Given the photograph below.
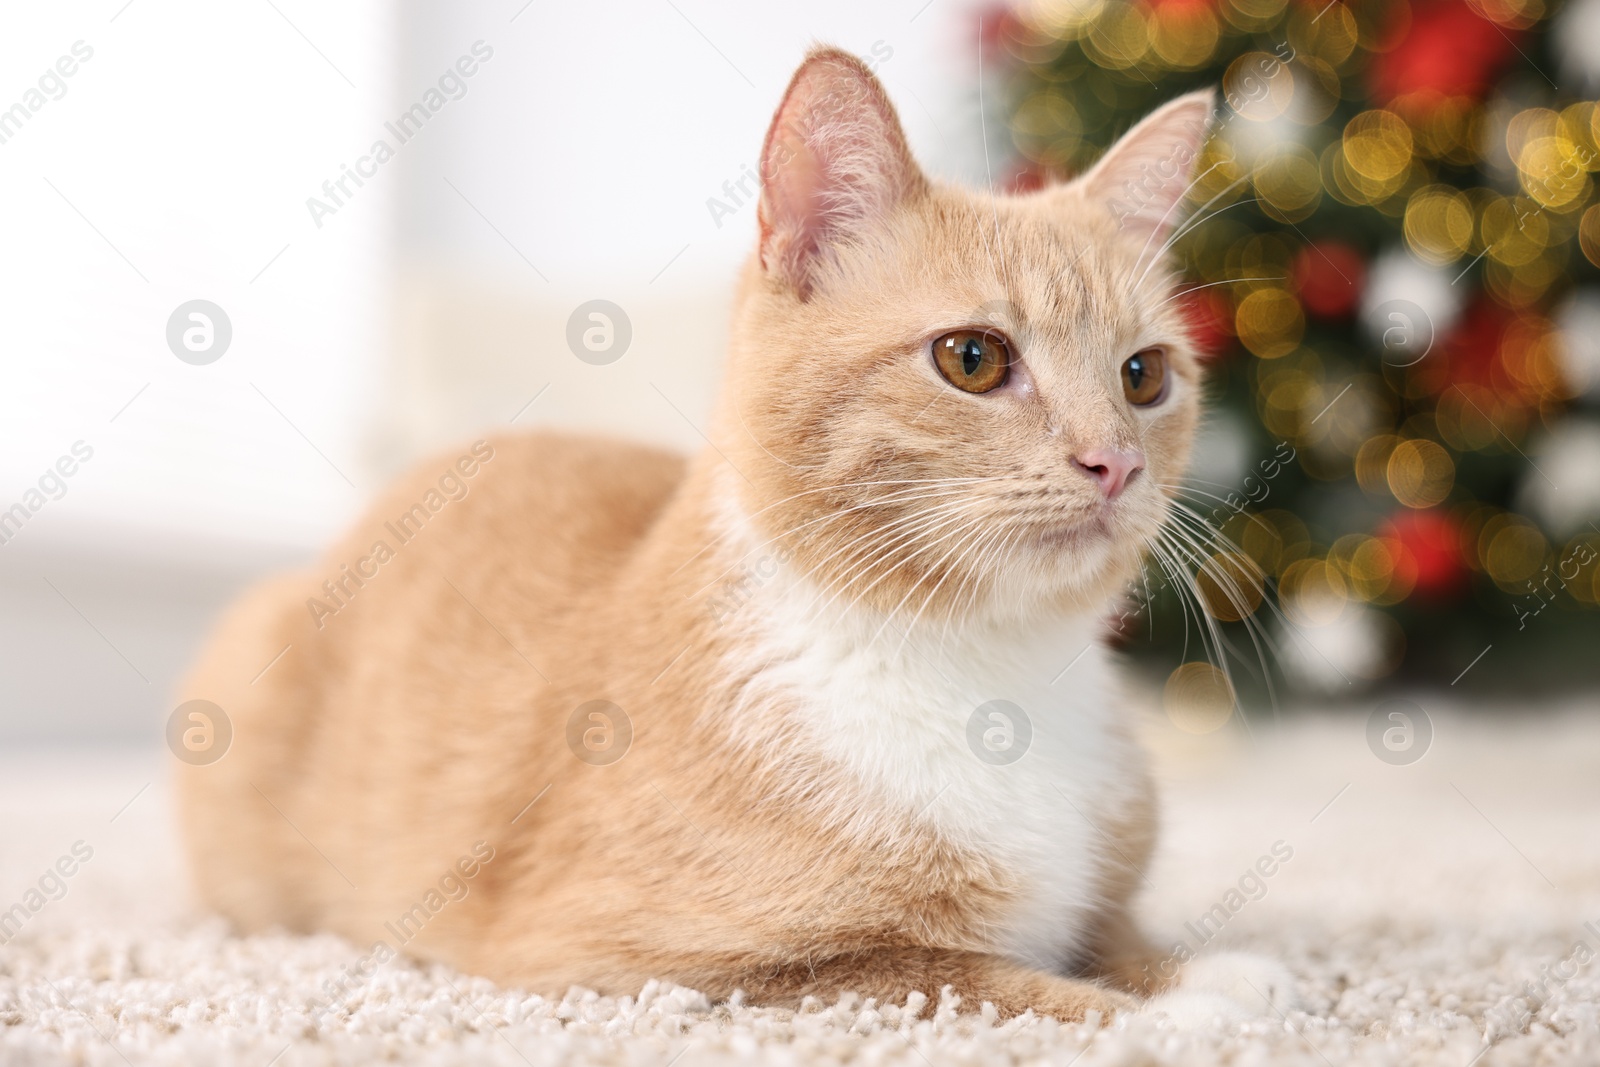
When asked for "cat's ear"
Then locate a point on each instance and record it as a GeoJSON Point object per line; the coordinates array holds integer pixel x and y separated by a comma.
{"type": "Point", "coordinates": [1142, 179]}
{"type": "Point", "coordinates": [835, 163]}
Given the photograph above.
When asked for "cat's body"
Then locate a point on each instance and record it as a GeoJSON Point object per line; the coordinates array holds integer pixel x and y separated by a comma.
{"type": "Point", "coordinates": [705, 853]}
{"type": "Point", "coordinates": [805, 628]}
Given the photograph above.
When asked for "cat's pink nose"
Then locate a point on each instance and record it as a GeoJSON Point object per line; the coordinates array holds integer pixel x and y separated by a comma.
{"type": "Point", "coordinates": [1111, 468]}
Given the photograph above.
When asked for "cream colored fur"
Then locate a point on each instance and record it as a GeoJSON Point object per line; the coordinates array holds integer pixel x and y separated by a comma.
{"type": "Point", "coordinates": [798, 625]}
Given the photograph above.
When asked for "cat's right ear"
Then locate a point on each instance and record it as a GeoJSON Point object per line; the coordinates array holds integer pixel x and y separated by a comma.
{"type": "Point", "coordinates": [835, 163]}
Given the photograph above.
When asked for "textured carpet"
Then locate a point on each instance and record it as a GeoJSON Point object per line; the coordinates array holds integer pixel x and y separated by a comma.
{"type": "Point", "coordinates": [1421, 905]}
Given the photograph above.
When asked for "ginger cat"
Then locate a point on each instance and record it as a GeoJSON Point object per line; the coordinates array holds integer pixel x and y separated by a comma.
{"type": "Point", "coordinates": [819, 709]}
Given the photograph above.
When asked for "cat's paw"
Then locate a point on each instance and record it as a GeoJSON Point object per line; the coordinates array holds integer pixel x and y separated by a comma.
{"type": "Point", "coordinates": [1260, 985]}
{"type": "Point", "coordinates": [1195, 1010]}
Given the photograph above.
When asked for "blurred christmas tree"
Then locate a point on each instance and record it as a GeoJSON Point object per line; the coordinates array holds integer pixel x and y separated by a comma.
{"type": "Point", "coordinates": [1397, 278]}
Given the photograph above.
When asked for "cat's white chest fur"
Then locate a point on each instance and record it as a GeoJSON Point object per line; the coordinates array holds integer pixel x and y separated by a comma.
{"type": "Point", "coordinates": [915, 719]}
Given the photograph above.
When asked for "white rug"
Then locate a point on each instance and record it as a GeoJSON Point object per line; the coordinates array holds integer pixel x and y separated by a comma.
{"type": "Point", "coordinates": [1419, 901]}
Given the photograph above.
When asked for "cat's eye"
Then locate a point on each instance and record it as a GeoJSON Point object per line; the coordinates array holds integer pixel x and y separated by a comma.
{"type": "Point", "coordinates": [1144, 377]}
{"type": "Point", "coordinates": [973, 360]}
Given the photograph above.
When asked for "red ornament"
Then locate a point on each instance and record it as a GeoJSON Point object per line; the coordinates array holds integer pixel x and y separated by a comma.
{"type": "Point", "coordinates": [1329, 277]}
{"type": "Point", "coordinates": [998, 25]}
{"type": "Point", "coordinates": [1210, 318]}
{"type": "Point", "coordinates": [1448, 49]}
{"type": "Point", "coordinates": [1474, 353]}
{"type": "Point", "coordinates": [1427, 549]}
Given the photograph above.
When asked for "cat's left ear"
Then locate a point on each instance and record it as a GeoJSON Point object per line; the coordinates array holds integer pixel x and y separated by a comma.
{"type": "Point", "coordinates": [1143, 178]}
{"type": "Point", "coordinates": [834, 165]}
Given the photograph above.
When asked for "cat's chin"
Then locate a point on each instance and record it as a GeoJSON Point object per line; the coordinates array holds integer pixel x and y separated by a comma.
{"type": "Point", "coordinates": [1086, 564]}
{"type": "Point", "coordinates": [1088, 535]}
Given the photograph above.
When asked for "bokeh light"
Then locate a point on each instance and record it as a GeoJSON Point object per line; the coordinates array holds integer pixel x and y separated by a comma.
{"type": "Point", "coordinates": [1198, 698]}
{"type": "Point", "coordinates": [1372, 165]}
{"type": "Point", "coordinates": [1420, 473]}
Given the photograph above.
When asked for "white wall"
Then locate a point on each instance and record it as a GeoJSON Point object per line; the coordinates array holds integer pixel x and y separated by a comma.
{"type": "Point", "coordinates": [175, 166]}
{"type": "Point", "coordinates": [186, 146]}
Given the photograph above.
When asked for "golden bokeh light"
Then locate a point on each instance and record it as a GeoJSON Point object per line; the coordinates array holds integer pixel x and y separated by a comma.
{"type": "Point", "coordinates": [1329, 34]}
{"type": "Point", "coordinates": [1217, 174]}
{"type": "Point", "coordinates": [1269, 322]}
{"type": "Point", "coordinates": [1362, 407]}
{"type": "Point", "coordinates": [1230, 586]}
{"type": "Point", "coordinates": [1289, 181]}
{"type": "Point", "coordinates": [1438, 224]}
{"type": "Point", "coordinates": [1198, 698]}
{"type": "Point", "coordinates": [1510, 14]}
{"type": "Point", "coordinates": [1258, 86]}
{"type": "Point", "coordinates": [1064, 19]}
{"type": "Point", "coordinates": [1374, 569]}
{"type": "Point", "coordinates": [1512, 550]}
{"type": "Point", "coordinates": [1313, 593]}
{"type": "Point", "coordinates": [1552, 171]}
{"type": "Point", "coordinates": [1378, 146]}
{"type": "Point", "coordinates": [1047, 130]}
{"type": "Point", "coordinates": [1119, 38]}
{"type": "Point", "coordinates": [1336, 177]}
{"type": "Point", "coordinates": [1524, 286]}
{"type": "Point", "coordinates": [1450, 131]}
{"type": "Point", "coordinates": [1582, 579]}
{"type": "Point", "coordinates": [1251, 15]}
{"type": "Point", "coordinates": [1531, 352]}
{"type": "Point", "coordinates": [1589, 234]}
{"type": "Point", "coordinates": [1581, 125]}
{"type": "Point", "coordinates": [1293, 535]}
{"type": "Point", "coordinates": [1184, 35]}
{"type": "Point", "coordinates": [1262, 255]}
{"type": "Point", "coordinates": [1528, 125]}
{"type": "Point", "coordinates": [1514, 230]}
{"type": "Point", "coordinates": [1420, 473]}
{"type": "Point", "coordinates": [1461, 420]}
{"type": "Point", "coordinates": [1283, 398]}
{"type": "Point", "coordinates": [1257, 537]}
{"type": "Point", "coordinates": [1372, 464]}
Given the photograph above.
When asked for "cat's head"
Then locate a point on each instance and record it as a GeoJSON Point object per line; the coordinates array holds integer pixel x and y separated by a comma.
{"type": "Point", "coordinates": [948, 398]}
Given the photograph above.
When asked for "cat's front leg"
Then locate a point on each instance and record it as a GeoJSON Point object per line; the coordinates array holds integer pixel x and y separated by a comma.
{"type": "Point", "coordinates": [890, 973]}
{"type": "Point", "coordinates": [1121, 956]}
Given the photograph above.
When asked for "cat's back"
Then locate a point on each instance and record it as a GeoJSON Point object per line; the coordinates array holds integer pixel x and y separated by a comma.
{"type": "Point", "coordinates": [528, 524]}
{"type": "Point", "coordinates": [554, 509]}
